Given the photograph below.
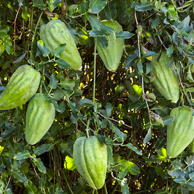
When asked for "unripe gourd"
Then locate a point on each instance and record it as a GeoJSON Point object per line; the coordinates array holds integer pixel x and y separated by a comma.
{"type": "Point", "coordinates": [166, 78]}
{"type": "Point", "coordinates": [39, 118]}
{"type": "Point", "coordinates": [180, 132]}
{"type": "Point", "coordinates": [90, 158]}
{"type": "Point", "coordinates": [111, 55]}
{"type": "Point", "coordinates": [21, 87]}
{"type": "Point", "coordinates": [55, 33]}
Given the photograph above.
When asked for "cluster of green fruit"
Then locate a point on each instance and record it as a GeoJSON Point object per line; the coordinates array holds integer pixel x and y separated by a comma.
{"type": "Point", "coordinates": [90, 155]}
{"type": "Point", "coordinates": [180, 132]}
{"type": "Point", "coordinates": [21, 88]}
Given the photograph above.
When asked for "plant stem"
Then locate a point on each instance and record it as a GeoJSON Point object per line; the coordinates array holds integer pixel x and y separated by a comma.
{"type": "Point", "coordinates": [106, 192]}
{"type": "Point", "coordinates": [94, 80]}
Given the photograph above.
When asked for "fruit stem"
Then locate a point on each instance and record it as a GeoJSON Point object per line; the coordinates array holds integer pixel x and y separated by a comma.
{"type": "Point", "coordinates": [87, 129]}
{"type": "Point", "coordinates": [94, 80]}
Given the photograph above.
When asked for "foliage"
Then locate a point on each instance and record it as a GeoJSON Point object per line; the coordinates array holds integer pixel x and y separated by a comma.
{"type": "Point", "coordinates": [123, 108]}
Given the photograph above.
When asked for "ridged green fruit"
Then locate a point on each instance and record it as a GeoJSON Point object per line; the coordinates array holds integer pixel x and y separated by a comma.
{"type": "Point", "coordinates": [111, 55]}
{"type": "Point", "coordinates": [90, 158]}
{"type": "Point", "coordinates": [21, 87]}
{"type": "Point", "coordinates": [167, 81]}
{"type": "Point", "coordinates": [39, 118]}
{"type": "Point", "coordinates": [180, 132]}
{"type": "Point", "coordinates": [55, 33]}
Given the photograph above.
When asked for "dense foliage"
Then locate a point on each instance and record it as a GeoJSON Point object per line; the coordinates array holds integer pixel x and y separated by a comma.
{"type": "Point", "coordinates": [124, 108]}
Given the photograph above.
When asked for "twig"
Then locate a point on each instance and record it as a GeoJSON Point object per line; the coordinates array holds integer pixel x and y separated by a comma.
{"type": "Point", "coordinates": [15, 27]}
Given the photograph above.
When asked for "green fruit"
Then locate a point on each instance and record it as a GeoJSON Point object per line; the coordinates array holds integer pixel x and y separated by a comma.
{"type": "Point", "coordinates": [180, 132]}
{"type": "Point", "coordinates": [55, 33]}
{"type": "Point", "coordinates": [191, 147]}
{"type": "Point", "coordinates": [167, 81]}
{"type": "Point", "coordinates": [39, 118]}
{"type": "Point", "coordinates": [111, 55]}
{"type": "Point", "coordinates": [90, 158]}
{"type": "Point", "coordinates": [21, 87]}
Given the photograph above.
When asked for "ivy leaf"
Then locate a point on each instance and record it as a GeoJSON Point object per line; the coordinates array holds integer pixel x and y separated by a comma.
{"type": "Point", "coordinates": [97, 5]}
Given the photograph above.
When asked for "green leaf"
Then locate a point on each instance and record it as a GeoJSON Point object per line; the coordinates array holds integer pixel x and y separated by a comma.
{"type": "Point", "coordinates": [19, 176]}
{"type": "Point", "coordinates": [148, 54]}
{"type": "Point", "coordinates": [124, 35]}
{"type": "Point", "coordinates": [40, 4]}
{"type": "Point", "coordinates": [68, 84]}
{"type": "Point", "coordinates": [144, 7]}
{"type": "Point", "coordinates": [3, 35]}
{"type": "Point", "coordinates": [155, 23]}
{"type": "Point", "coordinates": [170, 62]}
{"type": "Point", "coordinates": [39, 164]}
{"type": "Point", "coordinates": [157, 119]}
{"type": "Point", "coordinates": [69, 163]}
{"type": "Point", "coordinates": [161, 191]}
{"type": "Point", "coordinates": [140, 66]}
{"type": "Point", "coordinates": [86, 102]}
{"type": "Point", "coordinates": [52, 4]}
{"type": "Point", "coordinates": [108, 109]}
{"type": "Point", "coordinates": [59, 50]}
{"type": "Point", "coordinates": [19, 58]}
{"type": "Point", "coordinates": [43, 48]}
{"type": "Point", "coordinates": [2, 185]}
{"type": "Point", "coordinates": [167, 120]}
{"type": "Point", "coordinates": [172, 13]}
{"type": "Point", "coordinates": [129, 61]}
{"type": "Point", "coordinates": [124, 187]}
{"type": "Point", "coordinates": [122, 136]}
{"type": "Point", "coordinates": [7, 191]}
{"type": "Point", "coordinates": [103, 41]}
{"type": "Point", "coordinates": [7, 133]}
{"type": "Point", "coordinates": [62, 64]}
{"type": "Point", "coordinates": [94, 22]}
{"type": "Point", "coordinates": [148, 136]}
{"type": "Point", "coordinates": [161, 141]}
{"type": "Point", "coordinates": [96, 6]}
{"type": "Point", "coordinates": [30, 187]}
{"type": "Point", "coordinates": [42, 149]}
{"type": "Point", "coordinates": [22, 155]}
{"type": "Point", "coordinates": [132, 147]}
{"type": "Point", "coordinates": [130, 167]}
{"type": "Point", "coordinates": [125, 13]}
{"type": "Point", "coordinates": [149, 97]}
{"type": "Point", "coordinates": [53, 81]}
{"type": "Point", "coordinates": [110, 10]}
{"type": "Point", "coordinates": [170, 50]}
